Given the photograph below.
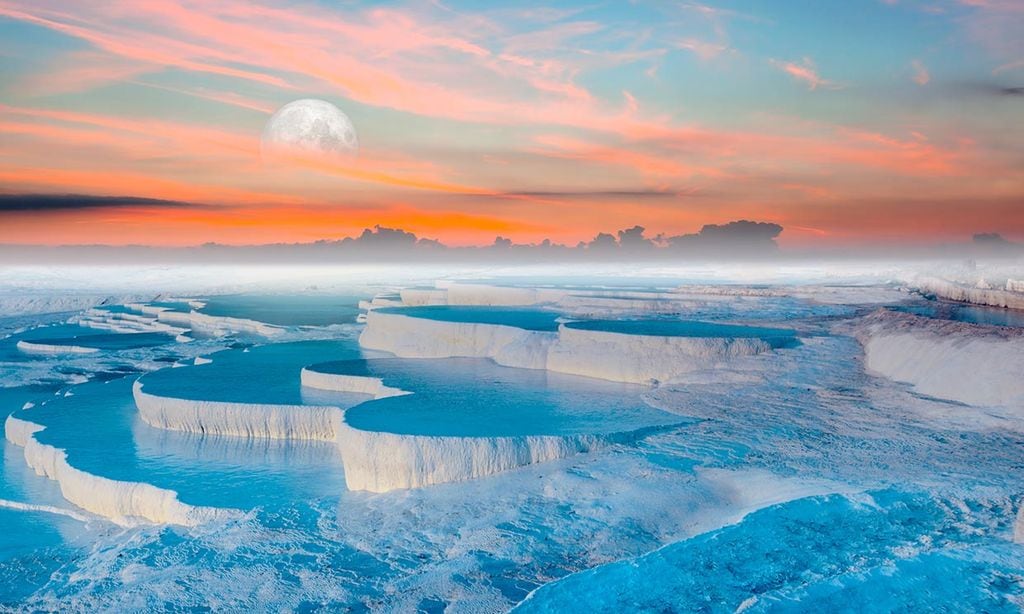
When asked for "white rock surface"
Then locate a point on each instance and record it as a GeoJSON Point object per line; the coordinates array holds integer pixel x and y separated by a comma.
{"type": "Point", "coordinates": [972, 364]}
{"type": "Point", "coordinates": [611, 356]}
{"type": "Point", "coordinates": [336, 382]}
{"type": "Point", "coordinates": [373, 461]}
{"type": "Point", "coordinates": [237, 419]}
{"type": "Point", "coordinates": [31, 347]}
{"type": "Point", "coordinates": [216, 326]}
{"type": "Point", "coordinates": [641, 359]}
{"type": "Point", "coordinates": [979, 296]}
{"type": "Point", "coordinates": [424, 296]}
{"type": "Point", "coordinates": [122, 502]}
{"type": "Point", "coordinates": [379, 462]}
{"type": "Point", "coordinates": [409, 337]}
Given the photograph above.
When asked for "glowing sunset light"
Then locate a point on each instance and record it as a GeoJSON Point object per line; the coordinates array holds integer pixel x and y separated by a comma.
{"type": "Point", "coordinates": [531, 124]}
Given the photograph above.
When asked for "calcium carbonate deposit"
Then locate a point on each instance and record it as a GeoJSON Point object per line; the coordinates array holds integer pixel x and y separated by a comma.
{"type": "Point", "coordinates": [833, 440]}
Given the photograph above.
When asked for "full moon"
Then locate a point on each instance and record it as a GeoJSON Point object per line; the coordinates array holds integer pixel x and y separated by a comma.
{"type": "Point", "coordinates": [309, 127]}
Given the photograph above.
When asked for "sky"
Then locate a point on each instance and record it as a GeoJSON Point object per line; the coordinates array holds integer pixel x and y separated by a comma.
{"type": "Point", "coordinates": [848, 122]}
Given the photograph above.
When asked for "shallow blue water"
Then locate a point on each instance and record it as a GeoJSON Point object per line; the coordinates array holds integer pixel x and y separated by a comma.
{"type": "Point", "coordinates": [286, 310]}
{"type": "Point", "coordinates": [33, 544]}
{"type": "Point", "coordinates": [816, 554]}
{"type": "Point", "coordinates": [73, 334]}
{"type": "Point", "coordinates": [932, 532]}
{"type": "Point", "coordinates": [472, 397]}
{"type": "Point", "coordinates": [180, 306]}
{"type": "Point", "coordinates": [116, 309]}
{"type": "Point", "coordinates": [974, 314]}
{"type": "Point", "coordinates": [258, 374]}
{"type": "Point", "coordinates": [113, 341]}
{"type": "Point", "coordinates": [99, 428]}
{"type": "Point", "coordinates": [519, 317]}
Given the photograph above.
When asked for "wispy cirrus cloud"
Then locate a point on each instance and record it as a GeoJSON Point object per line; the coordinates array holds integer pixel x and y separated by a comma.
{"type": "Point", "coordinates": [921, 75]}
{"type": "Point", "coordinates": [805, 71]}
{"type": "Point", "coordinates": [524, 114]}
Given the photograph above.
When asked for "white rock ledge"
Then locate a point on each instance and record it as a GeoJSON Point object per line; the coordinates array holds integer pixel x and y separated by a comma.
{"type": "Point", "coordinates": [253, 420]}
{"type": "Point", "coordinates": [379, 462]}
{"type": "Point", "coordinates": [374, 461]}
{"type": "Point", "coordinates": [619, 357]}
{"type": "Point", "coordinates": [410, 337]}
{"type": "Point", "coordinates": [30, 347]}
{"type": "Point", "coordinates": [1010, 298]}
{"type": "Point", "coordinates": [337, 382]}
{"type": "Point", "coordinates": [217, 325]}
{"type": "Point", "coordinates": [642, 359]}
{"type": "Point", "coordinates": [122, 502]}
{"type": "Point", "coordinates": [976, 365]}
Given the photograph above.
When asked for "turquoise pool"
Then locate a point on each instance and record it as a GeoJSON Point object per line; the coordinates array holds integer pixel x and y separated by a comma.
{"type": "Point", "coordinates": [286, 310]}
{"type": "Point", "coordinates": [519, 317]}
{"type": "Point", "coordinates": [474, 397]}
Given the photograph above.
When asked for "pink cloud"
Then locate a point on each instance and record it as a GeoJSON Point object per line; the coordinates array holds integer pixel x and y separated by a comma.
{"type": "Point", "coordinates": [806, 72]}
{"type": "Point", "coordinates": [921, 74]}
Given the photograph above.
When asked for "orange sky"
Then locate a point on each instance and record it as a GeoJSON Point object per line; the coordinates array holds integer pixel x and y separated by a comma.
{"type": "Point", "coordinates": [528, 124]}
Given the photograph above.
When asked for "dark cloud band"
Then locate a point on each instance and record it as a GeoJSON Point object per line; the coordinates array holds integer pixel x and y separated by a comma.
{"type": "Point", "coordinates": [10, 203]}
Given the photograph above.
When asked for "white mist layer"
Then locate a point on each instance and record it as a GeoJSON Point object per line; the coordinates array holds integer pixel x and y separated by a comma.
{"type": "Point", "coordinates": [124, 503]}
{"type": "Point", "coordinates": [949, 360]}
{"type": "Point", "coordinates": [638, 359]}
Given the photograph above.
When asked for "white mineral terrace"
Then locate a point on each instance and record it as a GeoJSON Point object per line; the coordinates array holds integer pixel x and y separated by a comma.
{"type": "Point", "coordinates": [122, 502]}
{"type": "Point", "coordinates": [641, 359]}
{"type": "Point", "coordinates": [945, 359]}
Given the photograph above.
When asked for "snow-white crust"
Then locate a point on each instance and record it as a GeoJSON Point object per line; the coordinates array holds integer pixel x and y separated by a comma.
{"type": "Point", "coordinates": [972, 364]}
{"type": "Point", "coordinates": [151, 318]}
{"type": "Point", "coordinates": [381, 301]}
{"type": "Point", "coordinates": [379, 462]}
{"type": "Point", "coordinates": [31, 347]}
{"type": "Point", "coordinates": [487, 295]}
{"type": "Point", "coordinates": [216, 326]}
{"type": "Point", "coordinates": [942, 288]}
{"type": "Point", "coordinates": [641, 359]}
{"type": "Point", "coordinates": [638, 359]}
{"type": "Point", "coordinates": [374, 461]}
{"type": "Point", "coordinates": [421, 296]}
{"type": "Point", "coordinates": [236, 419]}
{"type": "Point", "coordinates": [474, 294]}
{"type": "Point", "coordinates": [125, 503]}
{"type": "Point", "coordinates": [126, 323]}
{"type": "Point", "coordinates": [409, 337]}
{"type": "Point", "coordinates": [337, 382]}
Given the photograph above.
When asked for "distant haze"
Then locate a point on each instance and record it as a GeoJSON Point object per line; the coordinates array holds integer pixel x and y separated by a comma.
{"type": "Point", "coordinates": [740, 240]}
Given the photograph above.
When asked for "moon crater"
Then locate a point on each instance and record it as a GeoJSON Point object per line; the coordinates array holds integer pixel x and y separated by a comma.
{"type": "Point", "coordinates": [309, 127]}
